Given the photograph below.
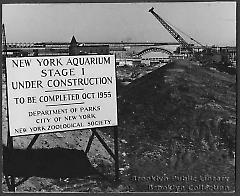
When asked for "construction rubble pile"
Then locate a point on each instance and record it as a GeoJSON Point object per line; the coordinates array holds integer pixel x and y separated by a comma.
{"type": "Point", "coordinates": [179, 120]}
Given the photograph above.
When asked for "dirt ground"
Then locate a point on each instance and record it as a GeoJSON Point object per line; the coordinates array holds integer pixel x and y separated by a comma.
{"type": "Point", "coordinates": [176, 128]}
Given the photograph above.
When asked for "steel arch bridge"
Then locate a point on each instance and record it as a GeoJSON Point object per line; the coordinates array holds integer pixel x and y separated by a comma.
{"type": "Point", "coordinates": [148, 50]}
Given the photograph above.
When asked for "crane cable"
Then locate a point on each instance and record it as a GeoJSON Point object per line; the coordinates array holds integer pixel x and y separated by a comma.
{"type": "Point", "coordinates": [183, 33]}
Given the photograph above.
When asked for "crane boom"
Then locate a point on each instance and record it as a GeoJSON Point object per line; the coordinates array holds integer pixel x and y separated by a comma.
{"type": "Point", "coordinates": [171, 31]}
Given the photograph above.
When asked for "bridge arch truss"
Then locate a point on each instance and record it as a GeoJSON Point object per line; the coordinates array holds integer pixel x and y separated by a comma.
{"type": "Point", "coordinates": [154, 49]}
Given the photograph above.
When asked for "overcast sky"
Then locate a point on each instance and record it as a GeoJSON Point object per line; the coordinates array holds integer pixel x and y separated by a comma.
{"type": "Point", "coordinates": [208, 23]}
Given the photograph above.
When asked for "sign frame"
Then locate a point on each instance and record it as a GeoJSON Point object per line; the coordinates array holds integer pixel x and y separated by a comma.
{"type": "Point", "coordinates": [11, 179]}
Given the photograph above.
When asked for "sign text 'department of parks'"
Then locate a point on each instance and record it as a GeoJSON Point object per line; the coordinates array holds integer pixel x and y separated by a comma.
{"type": "Point", "coordinates": [60, 93]}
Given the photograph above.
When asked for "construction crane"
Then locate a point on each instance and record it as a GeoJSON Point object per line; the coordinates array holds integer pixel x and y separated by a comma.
{"type": "Point", "coordinates": [208, 54]}
{"type": "Point", "coordinates": [173, 32]}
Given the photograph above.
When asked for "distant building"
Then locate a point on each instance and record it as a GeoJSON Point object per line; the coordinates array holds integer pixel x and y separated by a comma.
{"type": "Point", "coordinates": [76, 49]}
{"type": "Point", "coordinates": [120, 52]}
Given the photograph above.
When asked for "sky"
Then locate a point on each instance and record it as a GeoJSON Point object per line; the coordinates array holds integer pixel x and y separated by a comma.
{"type": "Point", "coordinates": [210, 23]}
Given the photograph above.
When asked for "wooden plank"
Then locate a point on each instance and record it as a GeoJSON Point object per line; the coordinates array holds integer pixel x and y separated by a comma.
{"type": "Point", "coordinates": [11, 186]}
{"type": "Point", "coordinates": [116, 153]}
{"type": "Point", "coordinates": [104, 144]}
{"type": "Point", "coordinates": [89, 143]}
{"type": "Point", "coordinates": [33, 141]}
{"type": "Point", "coordinates": [21, 181]}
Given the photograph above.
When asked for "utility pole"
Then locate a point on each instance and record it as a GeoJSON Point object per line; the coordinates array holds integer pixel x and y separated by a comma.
{"type": "Point", "coordinates": [4, 42]}
{"type": "Point", "coordinates": [4, 46]}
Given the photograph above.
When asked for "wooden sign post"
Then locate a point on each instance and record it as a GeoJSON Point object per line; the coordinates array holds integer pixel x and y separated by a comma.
{"type": "Point", "coordinates": [62, 93]}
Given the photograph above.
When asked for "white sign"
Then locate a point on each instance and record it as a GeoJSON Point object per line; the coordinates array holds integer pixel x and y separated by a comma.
{"type": "Point", "coordinates": [60, 93]}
